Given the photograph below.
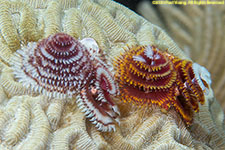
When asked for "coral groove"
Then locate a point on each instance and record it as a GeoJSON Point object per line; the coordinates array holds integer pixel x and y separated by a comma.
{"type": "Point", "coordinates": [32, 120]}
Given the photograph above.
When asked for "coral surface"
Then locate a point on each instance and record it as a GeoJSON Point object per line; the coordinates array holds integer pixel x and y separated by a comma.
{"type": "Point", "coordinates": [33, 121]}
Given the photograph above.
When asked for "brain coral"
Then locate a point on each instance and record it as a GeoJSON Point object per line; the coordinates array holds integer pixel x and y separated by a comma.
{"type": "Point", "coordinates": [32, 121]}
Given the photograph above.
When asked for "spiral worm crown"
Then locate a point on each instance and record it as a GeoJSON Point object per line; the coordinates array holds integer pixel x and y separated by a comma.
{"type": "Point", "coordinates": [148, 76]}
{"type": "Point", "coordinates": [61, 67]}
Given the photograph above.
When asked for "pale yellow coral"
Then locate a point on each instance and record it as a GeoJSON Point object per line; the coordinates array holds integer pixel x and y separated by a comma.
{"type": "Point", "coordinates": [20, 125]}
{"type": "Point", "coordinates": [10, 37]}
{"type": "Point", "coordinates": [54, 111]}
{"type": "Point", "coordinates": [10, 86]}
{"type": "Point", "coordinates": [31, 121]}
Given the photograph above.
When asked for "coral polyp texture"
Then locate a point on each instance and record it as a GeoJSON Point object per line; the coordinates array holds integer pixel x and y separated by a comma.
{"type": "Point", "coordinates": [57, 117]}
{"type": "Point", "coordinates": [148, 76]}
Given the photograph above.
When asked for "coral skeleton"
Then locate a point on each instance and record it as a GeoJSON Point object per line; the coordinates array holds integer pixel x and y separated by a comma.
{"type": "Point", "coordinates": [35, 120]}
